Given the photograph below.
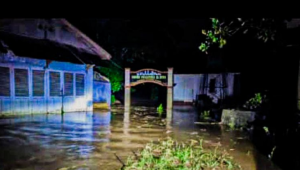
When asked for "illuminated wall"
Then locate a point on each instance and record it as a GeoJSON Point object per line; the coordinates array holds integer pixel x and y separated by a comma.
{"type": "Point", "coordinates": [30, 86]}
{"type": "Point", "coordinates": [188, 86]}
{"type": "Point", "coordinates": [102, 92]}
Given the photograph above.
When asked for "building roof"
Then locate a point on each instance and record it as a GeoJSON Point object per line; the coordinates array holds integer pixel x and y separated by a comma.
{"type": "Point", "coordinates": [44, 49]}
{"type": "Point", "coordinates": [64, 44]}
{"type": "Point", "coordinates": [93, 46]}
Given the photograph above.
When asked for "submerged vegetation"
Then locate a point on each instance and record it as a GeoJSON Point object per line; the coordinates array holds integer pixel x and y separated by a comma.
{"type": "Point", "coordinates": [113, 98]}
{"type": "Point", "coordinates": [205, 115]}
{"type": "Point", "coordinates": [160, 109]}
{"type": "Point", "coordinates": [170, 154]}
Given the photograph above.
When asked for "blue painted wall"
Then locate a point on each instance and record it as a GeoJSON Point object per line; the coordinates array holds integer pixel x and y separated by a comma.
{"type": "Point", "coordinates": [102, 92]}
{"type": "Point", "coordinates": [45, 104]}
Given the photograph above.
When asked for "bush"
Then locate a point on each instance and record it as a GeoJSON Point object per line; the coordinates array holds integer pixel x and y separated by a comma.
{"type": "Point", "coordinates": [170, 154]}
{"type": "Point", "coordinates": [115, 76]}
{"type": "Point", "coordinates": [113, 99]}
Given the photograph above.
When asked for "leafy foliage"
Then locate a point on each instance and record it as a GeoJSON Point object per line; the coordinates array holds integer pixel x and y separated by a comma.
{"type": "Point", "coordinates": [255, 102]}
{"type": "Point", "coordinates": [206, 114]}
{"type": "Point", "coordinates": [264, 29]}
{"type": "Point", "coordinates": [170, 154]}
{"type": "Point", "coordinates": [113, 99]}
{"type": "Point", "coordinates": [160, 109]}
{"type": "Point", "coordinates": [115, 76]}
{"type": "Point", "coordinates": [266, 129]}
{"type": "Point", "coordinates": [231, 125]}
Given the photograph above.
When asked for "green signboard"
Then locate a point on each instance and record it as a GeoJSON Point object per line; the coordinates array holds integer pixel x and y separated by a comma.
{"type": "Point", "coordinates": [148, 75]}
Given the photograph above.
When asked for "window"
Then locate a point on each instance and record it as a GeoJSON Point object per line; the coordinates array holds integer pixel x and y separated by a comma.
{"type": "Point", "coordinates": [54, 84]}
{"type": "Point", "coordinates": [79, 84]}
{"type": "Point", "coordinates": [4, 81]}
{"type": "Point", "coordinates": [21, 83]}
{"type": "Point", "coordinates": [38, 82]}
{"type": "Point", "coordinates": [212, 85]}
{"type": "Point", "coordinates": [68, 84]}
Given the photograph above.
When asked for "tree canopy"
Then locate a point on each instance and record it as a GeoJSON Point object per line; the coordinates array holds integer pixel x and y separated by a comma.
{"type": "Point", "coordinates": [264, 29]}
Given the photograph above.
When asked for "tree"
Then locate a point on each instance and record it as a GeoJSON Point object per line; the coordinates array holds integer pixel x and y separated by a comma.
{"type": "Point", "coordinates": [282, 115]}
{"type": "Point", "coordinates": [264, 29]}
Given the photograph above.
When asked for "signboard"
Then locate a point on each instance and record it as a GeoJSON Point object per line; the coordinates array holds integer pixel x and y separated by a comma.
{"type": "Point", "coordinates": [148, 76]}
{"type": "Point", "coordinates": [163, 78]}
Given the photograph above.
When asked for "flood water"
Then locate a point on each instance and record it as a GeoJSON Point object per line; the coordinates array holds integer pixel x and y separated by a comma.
{"type": "Point", "coordinates": [91, 141]}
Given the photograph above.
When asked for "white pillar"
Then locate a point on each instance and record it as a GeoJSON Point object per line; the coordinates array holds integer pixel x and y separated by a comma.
{"type": "Point", "coordinates": [170, 89]}
{"type": "Point", "coordinates": [169, 119]}
{"type": "Point", "coordinates": [127, 90]}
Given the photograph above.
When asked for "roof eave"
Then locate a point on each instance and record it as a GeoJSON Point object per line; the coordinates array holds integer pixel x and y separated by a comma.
{"type": "Point", "coordinates": [103, 54]}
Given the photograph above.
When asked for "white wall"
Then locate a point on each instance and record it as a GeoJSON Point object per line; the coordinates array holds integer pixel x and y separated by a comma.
{"type": "Point", "coordinates": [31, 104]}
{"type": "Point", "coordinates": [187, 87]}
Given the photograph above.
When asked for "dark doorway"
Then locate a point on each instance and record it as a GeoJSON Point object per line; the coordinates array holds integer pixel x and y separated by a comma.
{"type": "Point", "coordinates": [148, 94]}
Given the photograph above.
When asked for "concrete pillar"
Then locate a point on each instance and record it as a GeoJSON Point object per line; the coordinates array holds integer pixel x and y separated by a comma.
{"type": "Point", "coordinates": [170, 89]}
{"type": "Point", "coordinates": [127, 90]}
{"type": "Point", "coordinates": [169, 119]}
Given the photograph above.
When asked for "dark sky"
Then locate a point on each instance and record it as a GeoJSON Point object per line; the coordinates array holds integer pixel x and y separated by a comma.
{"type": "Point", "coordinates": [170, 42]}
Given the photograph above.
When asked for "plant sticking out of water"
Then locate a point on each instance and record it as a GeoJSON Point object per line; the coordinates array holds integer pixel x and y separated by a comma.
{"type": "Point", "coordinates": [113, 99]}
{"type": "Point", "coordinates": [160, 109]}
{"type": "Point", "coordinates": [272, 153]}
{"type": "Point", "coordinates": [170, 154]}
{"type": "Point", "coordinates": [205, 114]}
{"type": "Point", "coordinates": [266, 129]}
{"type": "Point", "coordinates": [231, 124]}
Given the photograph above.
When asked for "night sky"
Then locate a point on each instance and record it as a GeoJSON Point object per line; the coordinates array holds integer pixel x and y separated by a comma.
{"type": "Point", "coordinates": [170, 42]}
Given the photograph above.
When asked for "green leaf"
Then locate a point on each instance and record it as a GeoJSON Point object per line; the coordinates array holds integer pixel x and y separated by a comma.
{"type": "Point", "coordinates": [217, 32]}
{"type": "Point", "coordinates": [213, 20]}
{"type": "Point", "coordinates": [210, 34]}
{"type": "Point", "coordinates": [215, 39]}
{"type": "Point", "coordinates": [202, 46]}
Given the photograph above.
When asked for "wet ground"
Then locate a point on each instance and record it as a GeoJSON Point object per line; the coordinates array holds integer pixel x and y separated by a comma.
{"type": "Point", "coordinates": [91, 141]}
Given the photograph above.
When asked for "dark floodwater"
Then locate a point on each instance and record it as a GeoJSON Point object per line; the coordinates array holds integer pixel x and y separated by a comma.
{"type": "Point", "coordinates": [89, 141]}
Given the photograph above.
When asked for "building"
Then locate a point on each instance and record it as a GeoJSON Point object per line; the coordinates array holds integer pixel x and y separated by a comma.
{"type": "Point", "coordinates": [216, 86]}
{"type": "Point", "coordinates": [101, 91]}
{"type": "Point", "coordinates": [46, 66]}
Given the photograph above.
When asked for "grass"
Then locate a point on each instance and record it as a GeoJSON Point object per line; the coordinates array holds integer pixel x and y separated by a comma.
{"type": "Point", "coordinates": [169, 154]}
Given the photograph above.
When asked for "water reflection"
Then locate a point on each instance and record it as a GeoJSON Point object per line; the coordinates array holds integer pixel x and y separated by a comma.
{"type": "Point", "coordinates": [91, 139]}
